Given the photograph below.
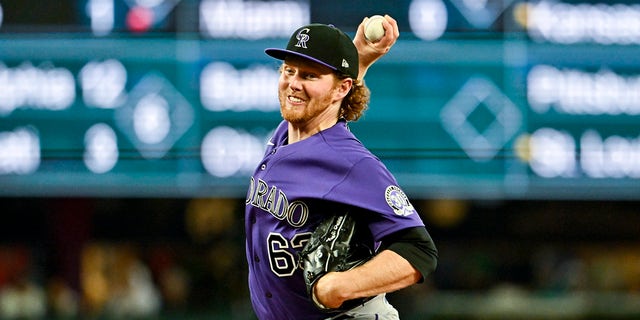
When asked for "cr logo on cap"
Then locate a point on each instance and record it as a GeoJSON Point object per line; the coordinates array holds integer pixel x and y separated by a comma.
{"type": "Point", "coordinates": [302, 37]}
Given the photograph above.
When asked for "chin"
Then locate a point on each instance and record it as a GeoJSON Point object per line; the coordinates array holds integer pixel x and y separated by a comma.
{"type": "Point", "coordinates": [291, 115]}
{"type": "Point", "coordinates": [293, 118]}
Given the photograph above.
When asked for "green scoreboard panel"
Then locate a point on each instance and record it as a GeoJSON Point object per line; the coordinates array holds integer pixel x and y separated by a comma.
{"type": "Point", "coordinates": [492, 100]}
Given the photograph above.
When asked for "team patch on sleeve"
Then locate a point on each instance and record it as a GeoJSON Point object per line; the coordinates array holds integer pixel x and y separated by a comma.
{"type": "Point", "coordinates": [398, 201]}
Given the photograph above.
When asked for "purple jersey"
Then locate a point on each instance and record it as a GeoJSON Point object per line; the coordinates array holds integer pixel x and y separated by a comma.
{"type": "Point", "coordinates": [288, 196]}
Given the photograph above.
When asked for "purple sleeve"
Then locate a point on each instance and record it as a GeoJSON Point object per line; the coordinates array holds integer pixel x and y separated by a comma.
{"type": "Point", "coordinates": [369, 185]}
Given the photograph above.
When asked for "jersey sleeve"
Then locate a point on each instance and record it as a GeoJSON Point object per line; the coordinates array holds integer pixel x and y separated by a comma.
{"type": "Point", "coordinates": [416, 246]}
{"type": "Point", "coordinates": [370, 186]}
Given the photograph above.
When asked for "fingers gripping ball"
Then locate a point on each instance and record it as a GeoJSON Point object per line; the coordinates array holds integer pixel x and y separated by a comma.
{"type": "Point", "coordinates": [373, 29]}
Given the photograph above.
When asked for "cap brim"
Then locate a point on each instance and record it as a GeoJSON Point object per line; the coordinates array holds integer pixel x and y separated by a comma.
{"type": "Point", "coordinates": [281, 54]}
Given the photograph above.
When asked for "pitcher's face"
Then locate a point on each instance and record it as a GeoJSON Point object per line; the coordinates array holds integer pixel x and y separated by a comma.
{"type": "Point", "coordinates": [307, 91]}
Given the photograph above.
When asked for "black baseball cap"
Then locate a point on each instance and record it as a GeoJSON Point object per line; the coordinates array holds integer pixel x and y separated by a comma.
{"type": "Point", "coordinates": [324, 44]}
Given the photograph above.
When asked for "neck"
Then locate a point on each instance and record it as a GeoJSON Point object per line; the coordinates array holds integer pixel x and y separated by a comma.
{"type": "Point", "coordinates": [298, 132]}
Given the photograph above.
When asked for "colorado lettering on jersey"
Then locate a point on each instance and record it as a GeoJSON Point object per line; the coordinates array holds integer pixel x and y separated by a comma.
{"type": "Point", "coordinates": [273, 200]}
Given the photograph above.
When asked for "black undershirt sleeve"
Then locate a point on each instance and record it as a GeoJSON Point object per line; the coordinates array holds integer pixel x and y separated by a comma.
{"type": "Point", "coordinates": [416, 246]}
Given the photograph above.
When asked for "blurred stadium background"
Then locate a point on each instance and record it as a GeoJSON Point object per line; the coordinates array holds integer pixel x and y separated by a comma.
{"type": "Point", "coordinates": [129, 128]}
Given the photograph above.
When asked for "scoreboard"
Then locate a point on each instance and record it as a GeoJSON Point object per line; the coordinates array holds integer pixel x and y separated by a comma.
{"type": "Point", "coordinates": [491, 99]}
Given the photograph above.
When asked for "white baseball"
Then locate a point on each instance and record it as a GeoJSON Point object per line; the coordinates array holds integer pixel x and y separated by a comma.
{"type": "Point", "coordinates": [373, 29]}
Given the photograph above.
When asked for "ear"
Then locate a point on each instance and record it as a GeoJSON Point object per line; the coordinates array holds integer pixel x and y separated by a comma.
{"type": "Point", "coordinates": [343, 87]}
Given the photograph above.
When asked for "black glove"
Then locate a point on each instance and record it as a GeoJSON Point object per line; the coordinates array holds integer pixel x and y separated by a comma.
{"type": "Point", "coordinates": [333, 246]}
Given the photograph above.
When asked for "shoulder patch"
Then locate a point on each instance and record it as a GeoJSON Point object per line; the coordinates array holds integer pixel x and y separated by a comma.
{"type": "Point", "coordinates": [398, 201]}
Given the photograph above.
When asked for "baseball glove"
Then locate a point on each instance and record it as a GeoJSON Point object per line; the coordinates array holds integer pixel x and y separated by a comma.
{"type": "Point", "coordinates": [334, 246]}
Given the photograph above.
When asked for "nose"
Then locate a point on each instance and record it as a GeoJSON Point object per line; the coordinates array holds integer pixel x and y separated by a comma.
{"type": "Point", "coordinates": [295, 84]}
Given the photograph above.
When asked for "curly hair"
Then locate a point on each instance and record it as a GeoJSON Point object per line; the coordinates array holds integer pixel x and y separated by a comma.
{"type": "Point", "coordinates": [356, 102]}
